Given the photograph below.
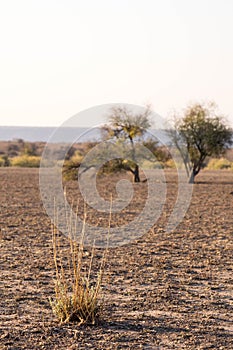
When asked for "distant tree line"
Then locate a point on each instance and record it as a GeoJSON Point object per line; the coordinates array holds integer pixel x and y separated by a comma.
{"type": "Point", "coordinates": [199, 133]}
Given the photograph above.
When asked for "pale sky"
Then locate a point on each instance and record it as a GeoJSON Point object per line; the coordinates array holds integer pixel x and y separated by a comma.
{"type": "Point", "coordinates": [59, 57]}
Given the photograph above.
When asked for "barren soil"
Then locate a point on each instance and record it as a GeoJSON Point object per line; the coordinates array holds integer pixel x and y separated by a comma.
{"type": "Point", "coordinates": [163, 291]}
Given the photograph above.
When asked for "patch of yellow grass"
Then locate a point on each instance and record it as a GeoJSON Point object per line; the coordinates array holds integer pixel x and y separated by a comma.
{"type": "Point", "coordinates": [26, 161]}
{"type": "Point", "coordinates": [218, 164]}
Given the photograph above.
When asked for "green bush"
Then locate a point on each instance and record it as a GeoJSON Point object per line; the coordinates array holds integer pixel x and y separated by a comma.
{"type": "Point", "coordinates": [26, 161]}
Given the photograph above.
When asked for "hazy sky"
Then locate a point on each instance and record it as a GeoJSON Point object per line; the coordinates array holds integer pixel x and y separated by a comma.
{"type": "Point", "coordinates": [59, 57]}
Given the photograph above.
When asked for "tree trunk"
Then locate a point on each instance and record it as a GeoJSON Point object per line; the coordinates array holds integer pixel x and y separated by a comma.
{"type": "Point", "coordinates": [193, 174]}
{"type": "Point", "coordinates": [136, 174]}
{"type": "Point", "coordinates": [191, 177]}
{"type": "Point", "coordinates": [136, 170]}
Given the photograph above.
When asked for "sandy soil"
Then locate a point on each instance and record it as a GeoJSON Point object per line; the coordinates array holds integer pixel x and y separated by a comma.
{"type": "Point", "coordinates": [163, 291]}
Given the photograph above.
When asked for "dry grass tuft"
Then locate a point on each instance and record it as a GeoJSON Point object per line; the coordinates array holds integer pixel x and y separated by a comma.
{"type": "Point", "coordinates": [77, 285]}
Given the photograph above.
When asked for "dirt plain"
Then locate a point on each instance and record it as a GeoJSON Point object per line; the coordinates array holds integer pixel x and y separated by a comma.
{"type": "Point", "coordinates": [163, 291]}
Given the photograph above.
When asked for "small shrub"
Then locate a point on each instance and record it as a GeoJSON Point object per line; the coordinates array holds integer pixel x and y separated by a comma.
{"type": "Point", "coordinates": [170, 164]}
{"type": "Point", "coordinates": [218, 164]}
{"type": "Point", "coordinates": [26, 161]}
{"type": "Point", "coordinates": [70, 170]}
{"type": "Point", "coordinates": [29, 149]}
{"type": "Point", "coordinates": [4, 161]}
{"type": "Point", "coordinates": [71, 166]}
{"type": "Point", "coordinates": [77, 157]}
{"type": "Point", "coordinates": [13, 150]}
{"type": "Point", "coordinates": [76, 292]}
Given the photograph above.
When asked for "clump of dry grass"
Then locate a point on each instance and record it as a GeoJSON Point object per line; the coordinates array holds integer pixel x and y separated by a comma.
{"type": "Point", "coordinates": [77, 292]}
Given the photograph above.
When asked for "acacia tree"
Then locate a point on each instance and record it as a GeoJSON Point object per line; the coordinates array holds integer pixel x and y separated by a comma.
{"type": "Point", "coordinates": [127, 126]}
{"type": "Point", "coordinates": [201, 132]}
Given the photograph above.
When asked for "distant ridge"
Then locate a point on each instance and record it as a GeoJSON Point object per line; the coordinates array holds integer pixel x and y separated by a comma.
{"type": "Point", "coordinates": [43, 134]}
{"type": "Point", "coordinates": [62, 134]}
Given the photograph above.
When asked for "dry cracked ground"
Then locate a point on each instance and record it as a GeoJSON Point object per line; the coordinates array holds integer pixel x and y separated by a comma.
{"type": "Point", "coordinates": [164, 290]}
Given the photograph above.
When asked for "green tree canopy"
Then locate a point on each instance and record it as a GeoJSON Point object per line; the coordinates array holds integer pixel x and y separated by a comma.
{"type": "Point", "coordinates": [202, 132]}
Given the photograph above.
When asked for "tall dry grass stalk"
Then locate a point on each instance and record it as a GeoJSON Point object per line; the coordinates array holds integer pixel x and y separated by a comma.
{"type": "Point", "coordinates": [77, 285]}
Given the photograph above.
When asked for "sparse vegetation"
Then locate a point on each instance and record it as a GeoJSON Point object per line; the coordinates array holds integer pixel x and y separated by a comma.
{"type": "Point", "coordinates": [77, 291]}
{"type": "Point", "coordinates": [170, 164]}
{"type": "Point", "coordinates": [4, 161]}
{"type": "Point", "coordinates": [70, 170]}
{"type": "Point", "coordinates": [166, 286]}
{"type": "Point", "coordinates": [219, 164]}
{"type": "Point", "coordinates": [26, 161]}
